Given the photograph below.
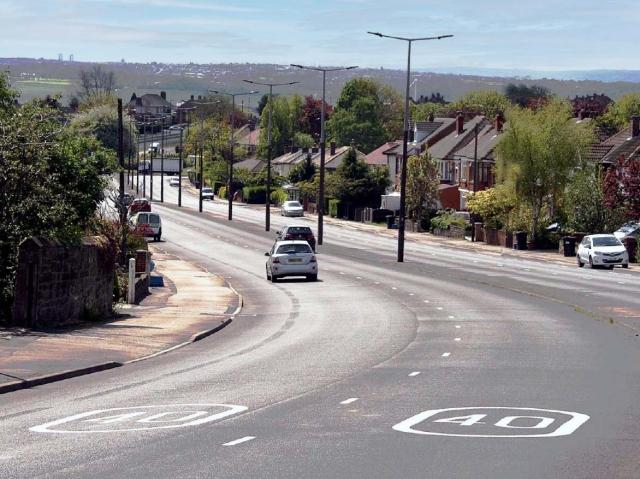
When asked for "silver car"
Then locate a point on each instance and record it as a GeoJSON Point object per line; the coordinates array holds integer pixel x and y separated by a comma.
{"type": "Point", "coordinates": [291, 258]}
{"type": "Point", "coordinates": [292, 208]}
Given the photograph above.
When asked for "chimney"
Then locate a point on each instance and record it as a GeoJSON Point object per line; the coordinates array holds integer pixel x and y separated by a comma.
{"type": "Point", "coordinates": [459, 123]}
{"type": "Point", "coordinates": [430, 118]}
{"type": "Point", "coordinates": [333, 148]}
{"type": "Point", "coordinates": [199, 97]}
{"type": "Point", "coordinates": [581, 114]}
{"type": "Point", "coordinates": [635, 125]}
{"type": "Point", "coordinates": [192, 98]}
{"type": "Point", "coordinates": [163, 94]}
{"type": "Point", "coordinates": [499, 122]}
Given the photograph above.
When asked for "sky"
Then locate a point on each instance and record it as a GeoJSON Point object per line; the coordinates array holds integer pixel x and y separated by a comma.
{"type": "Point", "coordinates": [513, 34]}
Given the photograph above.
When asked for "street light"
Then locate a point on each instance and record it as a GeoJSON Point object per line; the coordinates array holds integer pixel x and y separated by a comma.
{"type": "Point", "coordinates": [403, 174]}
{"type": "Point", "coordinates": [322, 140]}
{"type": "Point", "coordinates": [202, 149]}
{"type": "Point", "coordinates": [181, 159]}
{"type": "Point", "coordinates": [267, 219]}
{"type": "Point", "coordinates": [233, 117]}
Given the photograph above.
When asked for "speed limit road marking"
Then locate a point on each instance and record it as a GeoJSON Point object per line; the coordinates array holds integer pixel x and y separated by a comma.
{"type": "Point", "coordinates": [485, 422]}
{"type": "Point", "coordinates": [139, 418]}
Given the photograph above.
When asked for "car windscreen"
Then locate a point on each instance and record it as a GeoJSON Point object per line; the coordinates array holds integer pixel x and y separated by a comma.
{"type": "Point", "coordinates": [207, 190]}
{"type": "Point", "coordinates": [606, 241]}
{"type": "Point", "coordinates": [297, 230]}
{"type": "Point", "coordinates": [292, 203]}
{"type": "Point", "coordinates": [293, 248]}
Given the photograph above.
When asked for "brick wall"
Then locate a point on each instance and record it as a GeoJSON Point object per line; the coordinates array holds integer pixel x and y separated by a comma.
{"type": "Point", "coordinates": [59, 284]}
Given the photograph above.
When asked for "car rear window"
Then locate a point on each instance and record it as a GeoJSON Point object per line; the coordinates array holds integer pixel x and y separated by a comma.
{"type": "Point", "coordinates": [606, 241]}
{"type": "Point", "coordinates": [296, 230]}
{"type": "Point", "coordinates": [154, 219]}
{"type": "Point", "coordinates": [143, 218]}
{"type": "Point", "coordinates": [293, 248]}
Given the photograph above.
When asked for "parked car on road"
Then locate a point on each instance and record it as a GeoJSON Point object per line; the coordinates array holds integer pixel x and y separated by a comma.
{"type": "Point", "coordinates": [629, 229]}
{"type": "Point", "coordinates": [602, 250]}
{"type": "Point", "coordinates": [207, 193]}
{"type": "Point", "coordinates": [297, 232]}
{"type": "Point", "coordinates": [138, 205]}
{"type": "Point", "coordinates": [291, 258]}
{"type": "Point", "coordinates": [291, 208]}
{"type": "Point", "coordinates": [174, 181]}
{"type": "Point", "coordinates": [148, 225]}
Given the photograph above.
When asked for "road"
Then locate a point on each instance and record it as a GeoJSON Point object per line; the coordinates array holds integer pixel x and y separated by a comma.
{"type": "Point", "coordinates": [451, 365]}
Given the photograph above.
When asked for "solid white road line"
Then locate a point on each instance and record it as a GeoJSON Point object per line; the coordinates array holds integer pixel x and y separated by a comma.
{"type": "Point", "coordinates": [439, 308]}
{"type": "Point", "coordinates": [349, 401]}
{"type": "Point", "coordinates": [446, 355]}
{"type": "Point", "coordinates": [426, 301]}
{"type": "Point", "coordinates": [415, 373]}
{"type": "Point", "coordinates": [239, 441]}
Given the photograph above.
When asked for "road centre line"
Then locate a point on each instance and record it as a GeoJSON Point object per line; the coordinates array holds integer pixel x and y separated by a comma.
{"type": "Point", "coordinates": [451, 317]}
{"type": "Point", "coordinates": [457, 339]}
{"type": "Point", "coordinates": [446, 355]}
{"type": "Point", "coordinates": [458, 326]}
{"type": "Point", "coordinates": [239, 441]}
{"type": "Point", "coordinates": [439, 308]}
{"type": "Point", "coordinates": [349, 401]}
{"type": "Point", "coordinates": [413, 374]}
{"type": "Point", "coordinates": [427, 301]}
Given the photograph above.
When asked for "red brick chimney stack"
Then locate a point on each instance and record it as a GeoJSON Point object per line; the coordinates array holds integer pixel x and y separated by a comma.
{"type": "Point", "coordinates": [499, 122]}
{"type": "Point", "coordinates": [635, 125]}
{"type": "Point", "coordinates": [459, 123]}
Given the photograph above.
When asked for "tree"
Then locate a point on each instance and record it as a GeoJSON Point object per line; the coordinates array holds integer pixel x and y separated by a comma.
{"type": "Point", "coordinates": [619, 113]}
{"type": "Point", "coordinates": [422, 111]}
{"type": "Point", "coordinates": [303, 140]}
{"type": "Point", "coordinates": [284, 124]}
{"type": "Point", "coordinates": [311, 115]}
{"type": "Point", "coordinates": [622, 188]}
{"type": "Point", "coordinates": [483, 102]}
{"type": "Point", "coordinates": [423, 180]}
{"type": "Point", "coordinates": [102, 122]}
{"type": "Point", "coordinates": [264, 99]}
{"type": "Point", "coordinates": [8, 96]}
{"type": "Point", "coordinates": [493, 205]}
{"type": "Point", "coordinates": [304, 171]}
{"type": "Point", "coordinates": [97, 81]}
{"type": "Point", "coordinates": [526, 96]}
{"type": "Point", "coordinates": [367, 114]}
{"type": "Point", "coordinates": [538, 153]}
{"type": "Point", "coordinates": [51, 182]}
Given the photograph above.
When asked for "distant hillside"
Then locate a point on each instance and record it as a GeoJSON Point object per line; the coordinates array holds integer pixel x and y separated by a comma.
{"type": "Point", "coordinates": [39, 77]}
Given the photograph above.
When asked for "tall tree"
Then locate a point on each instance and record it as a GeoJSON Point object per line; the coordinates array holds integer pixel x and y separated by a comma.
{"type": "Point", "coordinates": [97, 81]}
{"type": "Point", "coordinates": [483, 102]}
{"type": "Point", "coordinates": [423, 180]}
{"type": "Point", "coordinates": [284, 124]}
{"type": "Point", "coordinates": [102, 122]}
{"type": "Point", "coordinates": [538, 153]}
{"type": "Point", "coordinates": [311, 113]}
{"type": "Point", "coordinates": [619, 113]}
{"type": "Point", "coordinates": [366, 113]}
{"type": "Point", "coordinates": [526, 96]}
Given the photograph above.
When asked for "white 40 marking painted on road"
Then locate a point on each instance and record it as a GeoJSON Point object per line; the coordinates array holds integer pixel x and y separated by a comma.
{"type": "Point", "coordinates": [491, 421]}
{"type": "Point", "coordinates": [139, 418]}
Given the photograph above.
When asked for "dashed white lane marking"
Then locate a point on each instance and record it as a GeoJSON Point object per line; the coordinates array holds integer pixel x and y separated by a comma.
{"type": "Point", "coordinates": [458, 326]}
{"type": "Point", "coordinates": [446, 355]}
{"type": "Point", "coordinates": [620, 282]}
{"type": "Point", "coordinates": [393, 287]}
{"type": "Point", "coordinates": [457, 339]}
{"type": "Point", "coordinates": [358, 277]}
{"type": "Point", "coordinates": [451, 317]}
{"type": "Point", "coordinates": [377, 282]}
{"type": "Point", "coordinates": [341, 272]}
{"type": "Point", "coordinates": [412, 294]}
{"type": "Point", "coordinates": [415, 373]}
{"type": "Point", "coordinates": [349, 401]}
{"type": "Point", "coordinates": [475, 260]}
{"type": "Point", "coordinates": [439, 308]}
{"type": "Point", "coordinates": [426, 301]}
{"type": "Point", "coordinates": [239, 441]}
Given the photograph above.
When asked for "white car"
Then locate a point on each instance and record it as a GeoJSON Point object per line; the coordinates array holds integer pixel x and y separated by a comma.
{"type": "Point", "coordinates": [291, 258]}
{"type": "Point", "coordinates": [602, 250]}
{"type": "Point", "coordinates": [292, 208]}
{"type": "Point", "coordinates": [207, 193]}
{"type": "Point", "coordinates": [174, 181]}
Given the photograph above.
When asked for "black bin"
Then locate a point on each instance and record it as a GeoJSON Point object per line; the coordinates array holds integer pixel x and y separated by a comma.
{"type": "Point", "coordinates": [520, 240]}
{"type": "Point", "coordinates": [569, 245]}
{"type": "Point", "coordinates": [390, 219]}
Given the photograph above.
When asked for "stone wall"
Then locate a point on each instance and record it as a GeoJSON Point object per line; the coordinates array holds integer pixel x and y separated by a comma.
{"type": "Point", "coordinates": [59, 284]}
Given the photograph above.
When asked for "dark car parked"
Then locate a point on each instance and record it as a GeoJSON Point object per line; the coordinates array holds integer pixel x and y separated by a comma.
{"type": "Point", "coordinates": [138, 205]}
{"type": "Point", "coordinates": [297, 232]}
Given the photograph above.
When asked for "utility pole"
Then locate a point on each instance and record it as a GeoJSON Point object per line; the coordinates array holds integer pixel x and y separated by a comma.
{"type": "Point", "coordinates": [403, 175]}
{"type": "Point", "coordinates": [267, 219]}
{"type": "Point", "coordinates": [233, 120]}
{"type": "Point", "coordinates": [162, 160]}
{"type": "Point", "coordinates": [144, 157]}
{"type": "Point", "coordinates": [151, 162]}
{"type": "Point", "coordinates": [323, 141]}
{"type": "Point", "coordinates": [122, 209]}
{"type": "Point", "coordinates": [180, 170]}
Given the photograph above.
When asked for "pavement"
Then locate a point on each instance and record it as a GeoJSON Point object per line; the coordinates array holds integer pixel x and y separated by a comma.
{"type": "Point", "coordinates": [192, 304]}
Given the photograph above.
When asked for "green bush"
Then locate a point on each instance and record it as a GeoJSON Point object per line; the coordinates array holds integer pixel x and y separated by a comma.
{"type": "Point", "coordinates": [446, 219]}
{"type": "Point", "coordinates": [334, 206]}
{"type": "Point", "coordinates": [222, 192]}
{"type": "Point", "coordinates": [279, 196]}
{"type": "Point", "coordinates": [254, 194]}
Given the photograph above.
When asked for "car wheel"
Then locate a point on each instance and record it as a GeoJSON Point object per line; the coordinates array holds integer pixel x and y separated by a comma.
{"type": "Point", "coordinates": [580, 263]}
{"type": "Point", "coordinates": [591, 265]}
{"type": "Point", "coordinates": [267, 272]}
{"type": "Point", "coordinates": [159, 236]}
{"type": "Point", "coordinates": [610, 267]}
{"type": "Point", "coordinates": [626, 265]}
{"type": "Point", "coordinates": [274, 278]}
{"type": "Point", "coordinates": [312, 277]}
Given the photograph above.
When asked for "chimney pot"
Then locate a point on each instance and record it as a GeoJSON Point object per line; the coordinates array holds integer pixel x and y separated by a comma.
{"type": "Point", "coordinates": [163, 94]}
{"type": "Point", "coordinates": [499, 122]}
{"type": "Point", "coordinates": [459, 123]}
{"type": "Point", "coordinates": [333, 148]}
{"type": "Point", "coordinates": [635, 125]}
{"type": "Point", "coordinates": [430, 118]}
{"type": "Point", "coordinates": [192, 97]}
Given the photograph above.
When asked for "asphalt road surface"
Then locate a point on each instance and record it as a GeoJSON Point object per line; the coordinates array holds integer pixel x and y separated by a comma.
{"type": "Point", "coordinates": [450, 365]}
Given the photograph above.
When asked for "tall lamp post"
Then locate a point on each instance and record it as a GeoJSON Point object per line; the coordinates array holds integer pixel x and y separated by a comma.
{"type": "Point", "coordinates": [181, 157]}
{"type": "Point", "coordinates": [322, 141]}
{"type": "Point", "coordinates": [403, 174]}
{"type": "Point", "coordinates": [201, 137]}
{"type": "Point", "coordinates": [267, 219]}
{"type": "Point", "coordinates": [233, 118]}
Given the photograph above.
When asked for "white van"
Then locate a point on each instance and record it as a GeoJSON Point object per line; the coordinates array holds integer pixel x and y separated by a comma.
{"type": "Point", "coordinates": [148, 224]}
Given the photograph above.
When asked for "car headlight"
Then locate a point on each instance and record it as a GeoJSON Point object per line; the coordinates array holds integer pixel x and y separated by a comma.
{"type": "Point", "coordinates": [597, 253]}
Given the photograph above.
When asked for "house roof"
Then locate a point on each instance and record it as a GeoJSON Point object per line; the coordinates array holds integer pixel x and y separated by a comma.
{"type": "Point", "coordinates": [425, 133]}
{"type": "Point", "coordinates": [250, 137]}
{"type": "Point", "coordinates": [254, 165]}
{"type": "Point", "coordinates": [378, 156]}
{"type": "Point", "coordinates": [488, 139]}
{"type": "Point", "coordinates": [622, 144]}
{"type": "Point", "coordinates": [333, 161]}
{"type": "Point", "coordinates": [445, 147]}
{"type": "Point", "coordinates": [290, 158]}
{"type": "Point", "coordinates": [149, 100]}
